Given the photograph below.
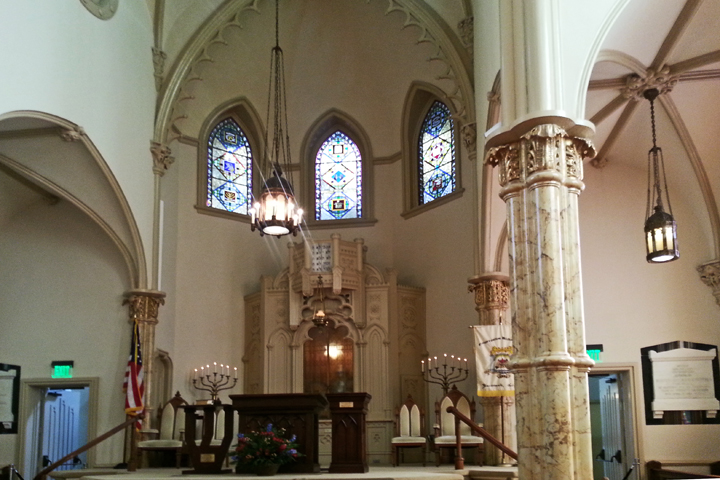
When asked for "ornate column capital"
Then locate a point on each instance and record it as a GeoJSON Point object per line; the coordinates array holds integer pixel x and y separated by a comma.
{"type": "Point", "coordinates": [491, 291]}
{"type": "Point", "coordinates": [710, 276]}
{"type": "Point", "coordinates": [144, 305]}
{"type": "Point", "coordinates": [161, 158]}
{"type": "Point", "coordinates": [545, 148]}
{"type": "Point", "coordinates": [661, 80]}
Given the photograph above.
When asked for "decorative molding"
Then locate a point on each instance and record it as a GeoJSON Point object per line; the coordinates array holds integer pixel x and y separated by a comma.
{"type": "Point", "coordinates": [102, 9]}
{"type": "Point", "coordinates": [636, 85]}
{"type": "Point", "coordinates": [161, 158]}
{"type": "Point", "coordinates": [72, 134]}
{"type": "Point", "coordinates": [159, 58]}
{"type": "Point", "coordinates": [710, 276]}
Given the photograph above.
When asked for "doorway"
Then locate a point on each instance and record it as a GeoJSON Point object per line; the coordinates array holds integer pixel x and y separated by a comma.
{"type": "Point", "coordinates": [612, 418]}
{"type": "Point", "coordinates": [57, 417]}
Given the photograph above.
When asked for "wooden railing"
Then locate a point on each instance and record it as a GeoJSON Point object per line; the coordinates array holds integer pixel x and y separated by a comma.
{"type": "Point", "coordinates": [131, 467]}
{"type": "Point", "coordinates": [655, 471]}
{"type": "Point", "coordinates": [459, 461]}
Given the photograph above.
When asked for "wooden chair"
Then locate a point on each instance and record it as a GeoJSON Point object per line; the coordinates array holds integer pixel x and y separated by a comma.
{"type": "Point", "coordinates": [445, 425]}
{"type": "Point", "coordinates": [409, 428]}
{"type": "Point", "coordinates": [171, 431]}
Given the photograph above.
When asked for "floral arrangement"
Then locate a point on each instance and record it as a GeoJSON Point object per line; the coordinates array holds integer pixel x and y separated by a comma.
{"type": "Point", "coordinates": [268, 447]}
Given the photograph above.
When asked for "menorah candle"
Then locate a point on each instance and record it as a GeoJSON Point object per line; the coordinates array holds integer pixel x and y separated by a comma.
{"type": "Point", "coordinates": [235, 372]}
{"type": "Point", "coordinates": [422, 366]}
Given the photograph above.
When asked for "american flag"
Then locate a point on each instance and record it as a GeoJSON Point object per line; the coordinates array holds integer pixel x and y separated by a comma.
{"type": "Point", "coordinates": [133, 383]}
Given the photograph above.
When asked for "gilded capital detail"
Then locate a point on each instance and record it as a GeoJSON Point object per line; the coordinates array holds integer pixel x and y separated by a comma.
{"type": "Point", "coordinates": [161, 158]}
{"type": "Point", "coordinates": [545, 148]}
{"type": "Point", "coordinates": [710, 276]}
{"type": "Point", "coordinates": [490, 294]}
{"type": "Point", "coordinates": [144, 305]}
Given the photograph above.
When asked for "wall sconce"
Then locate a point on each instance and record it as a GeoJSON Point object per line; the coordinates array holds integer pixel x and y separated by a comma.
{"type": "Point", "coordinates": [660, 226]}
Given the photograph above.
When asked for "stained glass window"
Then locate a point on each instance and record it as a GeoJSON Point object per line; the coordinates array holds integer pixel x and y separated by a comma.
{"type": "Point", "coordinates": [436, 151]}
{"type": "Point", "coordinates": [338, 179]}
{"type": "Point", "coordinates": [229, 169]}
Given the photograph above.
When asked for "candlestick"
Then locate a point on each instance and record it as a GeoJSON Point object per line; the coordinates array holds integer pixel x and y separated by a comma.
{"type": "Point", "coordinates": [215, 382]}
{"type": "Point", "coordinates": [446, 374]}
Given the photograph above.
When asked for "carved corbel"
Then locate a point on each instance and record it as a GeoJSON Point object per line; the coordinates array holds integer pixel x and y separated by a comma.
{"type": "Point", "coordinates": [710, 276]}
{"type": "Point", "coordinates": [73, 134]}
{"type": "Point", "coordinates": [469, 138]}
{"type": "Point", "coordinates": [161, 158]}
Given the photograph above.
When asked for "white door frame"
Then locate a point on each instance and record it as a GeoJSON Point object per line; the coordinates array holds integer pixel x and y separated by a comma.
{"type": "Point", "coordinates": [28, 429]}
{"type": "Point", "coordinates": [630, 370]}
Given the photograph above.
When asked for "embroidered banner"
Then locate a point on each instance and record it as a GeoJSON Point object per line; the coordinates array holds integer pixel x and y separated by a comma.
{"type": "Point", "coordinates": [493, 348]}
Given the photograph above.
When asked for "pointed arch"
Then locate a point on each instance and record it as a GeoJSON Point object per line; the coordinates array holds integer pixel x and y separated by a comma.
{"type": "Point", "coordinates": [227, 166]}
{"type": "Point", "coordinates": [421, 102]}
{"type": "Point", "coordinates": [337, 130]}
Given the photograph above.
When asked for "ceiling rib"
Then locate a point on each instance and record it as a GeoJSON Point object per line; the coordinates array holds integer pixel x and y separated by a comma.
{"type": "Point", "coordinates": [601, 159]}
{"type": "Point", "coordinates": [608, 109]}
{"type": "Point", "coordinates": [10, 172]}
{"type": "Point", "coordinates": [678, 28]}
{"type": "Point", "coordinates": [696, 62]}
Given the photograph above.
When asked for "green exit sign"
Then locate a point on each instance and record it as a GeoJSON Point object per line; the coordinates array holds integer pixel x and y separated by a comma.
{"type": "Point", "coordinates": [62, 368]}
{"type": "Point", "coordinates": [594, 351]}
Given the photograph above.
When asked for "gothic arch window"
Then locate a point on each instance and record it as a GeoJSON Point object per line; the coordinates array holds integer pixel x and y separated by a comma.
{"type": "Point", "coordinates": [226, 164]}
{"type": "Point", "coordinates": [431, 160]}
{"type": "Point", "coordinates": [437, 175]}
{"type": "Point", "coordinates": [337, 161]}
{"type": "Point", "coordinates": [229, 168]}
{"type": "Point", "coordinates": [338, 179]}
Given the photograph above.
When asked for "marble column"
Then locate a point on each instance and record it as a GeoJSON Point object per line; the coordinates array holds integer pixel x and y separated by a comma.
{"type": "Point", "coordinates": [710, 276]}
{"type": "Point", "coordinates": [541, 179]}
{"type": "Point", "coordinates": [143, 307]}
{"type": "Point", "coordinates": [491, 302]}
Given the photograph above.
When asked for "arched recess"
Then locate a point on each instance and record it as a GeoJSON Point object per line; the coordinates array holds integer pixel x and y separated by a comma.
{"type": "Point", "coordinates": [301, 336]}
{"type": "Point", "coordinates": [280, 360]}
{"type": "Point", "coordinates": [328, 123]}
{"type": "Point", "coordinates": [419, 99]}
{"type": "Point", "coordinates": [242, 111]}
{"type": "Point", "coordinates": [234, 13]}
{"type": "Point", "coordinates": [58, 158]}
{"type": "Point", "coordinates": [374, 375]}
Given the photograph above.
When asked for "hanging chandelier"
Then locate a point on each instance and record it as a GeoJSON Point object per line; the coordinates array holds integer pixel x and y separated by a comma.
{"type": "Point", "coordinates": [660, 226]}
{"type": "Point", "coordinates": [276, 212]}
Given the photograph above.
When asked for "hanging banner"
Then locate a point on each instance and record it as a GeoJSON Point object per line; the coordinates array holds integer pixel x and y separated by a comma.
{"type": "Point", "coordinates": [493, 348]}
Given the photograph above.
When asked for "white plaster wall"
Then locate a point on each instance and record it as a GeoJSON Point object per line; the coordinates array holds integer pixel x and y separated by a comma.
{"type": "Point", "coordinates": [60, 59]}
{"type": "Point", "coordinates": [61, 299]}
{"type": "Point", "coordinates": [630, 304]}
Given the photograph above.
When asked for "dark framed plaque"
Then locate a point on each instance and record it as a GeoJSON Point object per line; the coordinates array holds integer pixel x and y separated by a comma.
{"type": "Point", "coordinates": [9, 397]}
{"type": "Point", "coordinates": [681, 383]}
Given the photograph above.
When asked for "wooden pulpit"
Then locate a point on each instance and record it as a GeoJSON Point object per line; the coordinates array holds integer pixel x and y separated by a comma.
{"type": "Point", "coordinates": [349, 438]}
{"type": "Point", "coordinates": [297, 413]}
{"type": "Point", "coordinates": [208, 456]}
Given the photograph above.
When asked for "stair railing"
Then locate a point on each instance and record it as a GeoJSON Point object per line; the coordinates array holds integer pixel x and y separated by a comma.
{"type": "Point", "coordinates": [459, 460]}
{"type": "Point", "coordinates": [132, 466]}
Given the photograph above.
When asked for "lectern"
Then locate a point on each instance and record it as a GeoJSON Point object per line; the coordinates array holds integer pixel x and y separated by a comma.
{"type": "Point", "coordinates": [297, 413]}
{"type": "Point", "coordinates": [349, 438]}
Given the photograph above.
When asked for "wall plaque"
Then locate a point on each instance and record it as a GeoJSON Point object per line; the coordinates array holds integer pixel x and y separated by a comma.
{"type": "Point", "coordinates": [683, 380]}
{"type": "Point", "coordinates": [681, 383]}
